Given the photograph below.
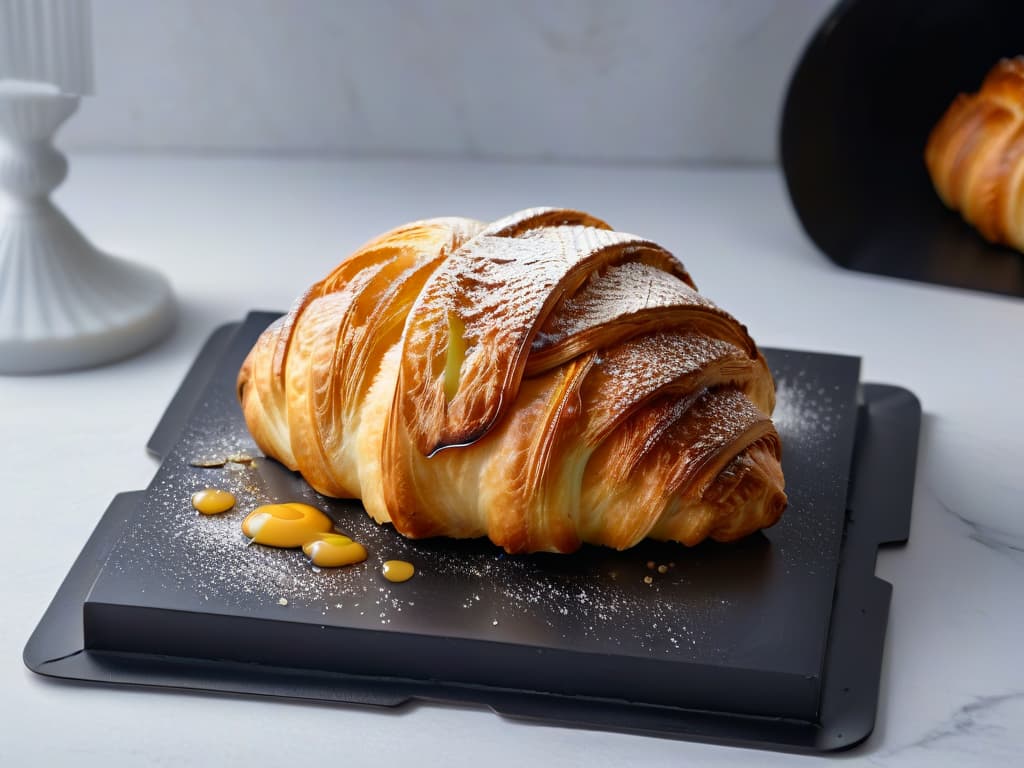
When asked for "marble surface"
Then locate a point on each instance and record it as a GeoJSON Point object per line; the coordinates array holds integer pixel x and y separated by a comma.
{"type": "Point", "coordinates": [604, 79]}
{"type": "Point", "coordinates": [240, 233]}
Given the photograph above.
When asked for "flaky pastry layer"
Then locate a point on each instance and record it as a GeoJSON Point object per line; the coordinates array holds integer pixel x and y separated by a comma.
{"type": "Point", "coordinates": [975, 155]}
{"type": "Point", "coordinates": [543, 381]}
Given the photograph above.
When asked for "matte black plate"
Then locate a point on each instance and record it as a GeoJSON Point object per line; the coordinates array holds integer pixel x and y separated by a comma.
{"type": "Point", "coordinates": [775, 641]}
{"type": "Point", "coordinates": [873, 82]}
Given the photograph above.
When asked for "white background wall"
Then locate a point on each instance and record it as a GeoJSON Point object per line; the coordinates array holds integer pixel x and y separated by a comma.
{"type": "Point", "coordinates": [652, 80]}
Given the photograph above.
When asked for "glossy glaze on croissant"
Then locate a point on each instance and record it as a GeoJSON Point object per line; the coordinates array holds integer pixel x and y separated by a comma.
{"type": "Point", "coordinates": [975, 155]}
{"type": "Point", "coordinates": [542, 380]}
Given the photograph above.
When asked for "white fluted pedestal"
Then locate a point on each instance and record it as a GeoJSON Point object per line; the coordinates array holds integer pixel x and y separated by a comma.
{"type": "Point", "coordinates": [63, 303]}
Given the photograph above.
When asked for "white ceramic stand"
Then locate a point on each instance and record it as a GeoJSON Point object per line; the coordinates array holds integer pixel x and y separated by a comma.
{"type": "Point", "coordinates": [63, 303]}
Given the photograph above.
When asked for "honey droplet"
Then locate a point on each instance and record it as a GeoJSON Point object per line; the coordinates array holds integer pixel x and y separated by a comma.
{"type": "Point", "coordinates": [332, 550]}
{"type": "Point", "coordinates": [285, 525]}
{"type": "Point", "coordinates": [398, 570]}
{"type": "Point", "coordinates": [208, 462]}
{"type": "Point", "coordinates": [212, 501]}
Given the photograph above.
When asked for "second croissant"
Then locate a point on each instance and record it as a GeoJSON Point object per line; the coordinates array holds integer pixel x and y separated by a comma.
{"type": "Point", "coordinates": [975, 155]}
{"type": "Point", "coordinates": [542, 380]}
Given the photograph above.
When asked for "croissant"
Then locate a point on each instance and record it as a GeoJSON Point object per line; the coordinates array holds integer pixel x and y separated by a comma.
{"type": "Point", "coordinates": [975, 155]}
{"type": "Point", "coordinates": [542, 380]}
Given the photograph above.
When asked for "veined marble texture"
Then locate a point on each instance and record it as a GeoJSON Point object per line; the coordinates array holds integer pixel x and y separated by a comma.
{"type": "Point", "coordinates": [650, 80]}
{"type": "Point", "coordinates": [952, 682]}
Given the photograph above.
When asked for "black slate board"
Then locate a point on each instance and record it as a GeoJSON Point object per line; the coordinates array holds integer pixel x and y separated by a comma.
{"type": "Point", "coordinates": [736, 643]}
{"type": "Point", "coordinates": [872, 83]}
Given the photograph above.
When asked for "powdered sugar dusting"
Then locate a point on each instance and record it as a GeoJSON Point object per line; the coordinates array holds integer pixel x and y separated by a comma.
{"type": "Point", "coordinates": [587, 598]}
{"type": "Point", "coordinates": [703, 610]}
{"type": "Point", "coordinates": [805, 410]}
{"type": "Point", "coordinates": [621, 292]}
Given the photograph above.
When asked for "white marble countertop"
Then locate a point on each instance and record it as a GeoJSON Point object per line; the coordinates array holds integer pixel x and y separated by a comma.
{"type": "Point", "coordinates": [235, 233]}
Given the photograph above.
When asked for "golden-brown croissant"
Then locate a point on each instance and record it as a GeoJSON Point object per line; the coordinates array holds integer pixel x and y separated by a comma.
{"type": "Point", "coordinates": [542, 380]}
{"type": "Point", "coordinates": [975, 155]}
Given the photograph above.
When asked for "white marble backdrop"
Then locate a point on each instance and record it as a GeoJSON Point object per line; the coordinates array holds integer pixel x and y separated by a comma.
{"type": "Point", "coordinates": [651, 80]}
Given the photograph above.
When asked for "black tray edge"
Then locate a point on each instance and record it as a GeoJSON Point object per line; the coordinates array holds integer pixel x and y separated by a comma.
{"type": "Point", "coordinates": [880, 500]}
{"type": "Point", "coordinates": [880, 504]}
{"type": "Point", "coordinates": [168, 429]}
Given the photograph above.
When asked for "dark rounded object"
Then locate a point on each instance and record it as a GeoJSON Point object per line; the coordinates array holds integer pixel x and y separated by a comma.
{"type": "Point", "coordinates": [872, 83]}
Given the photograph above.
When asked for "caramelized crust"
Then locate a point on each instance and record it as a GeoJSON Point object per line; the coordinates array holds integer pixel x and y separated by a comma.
{"type": "Point", "coordinates": [623, 301]}
{"type": "Point", "coordinates": [494, 295]}
{"type": "Point", "coordinates": [975, 155]}
{"type": "Point", "coordinates": [542, 380]}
